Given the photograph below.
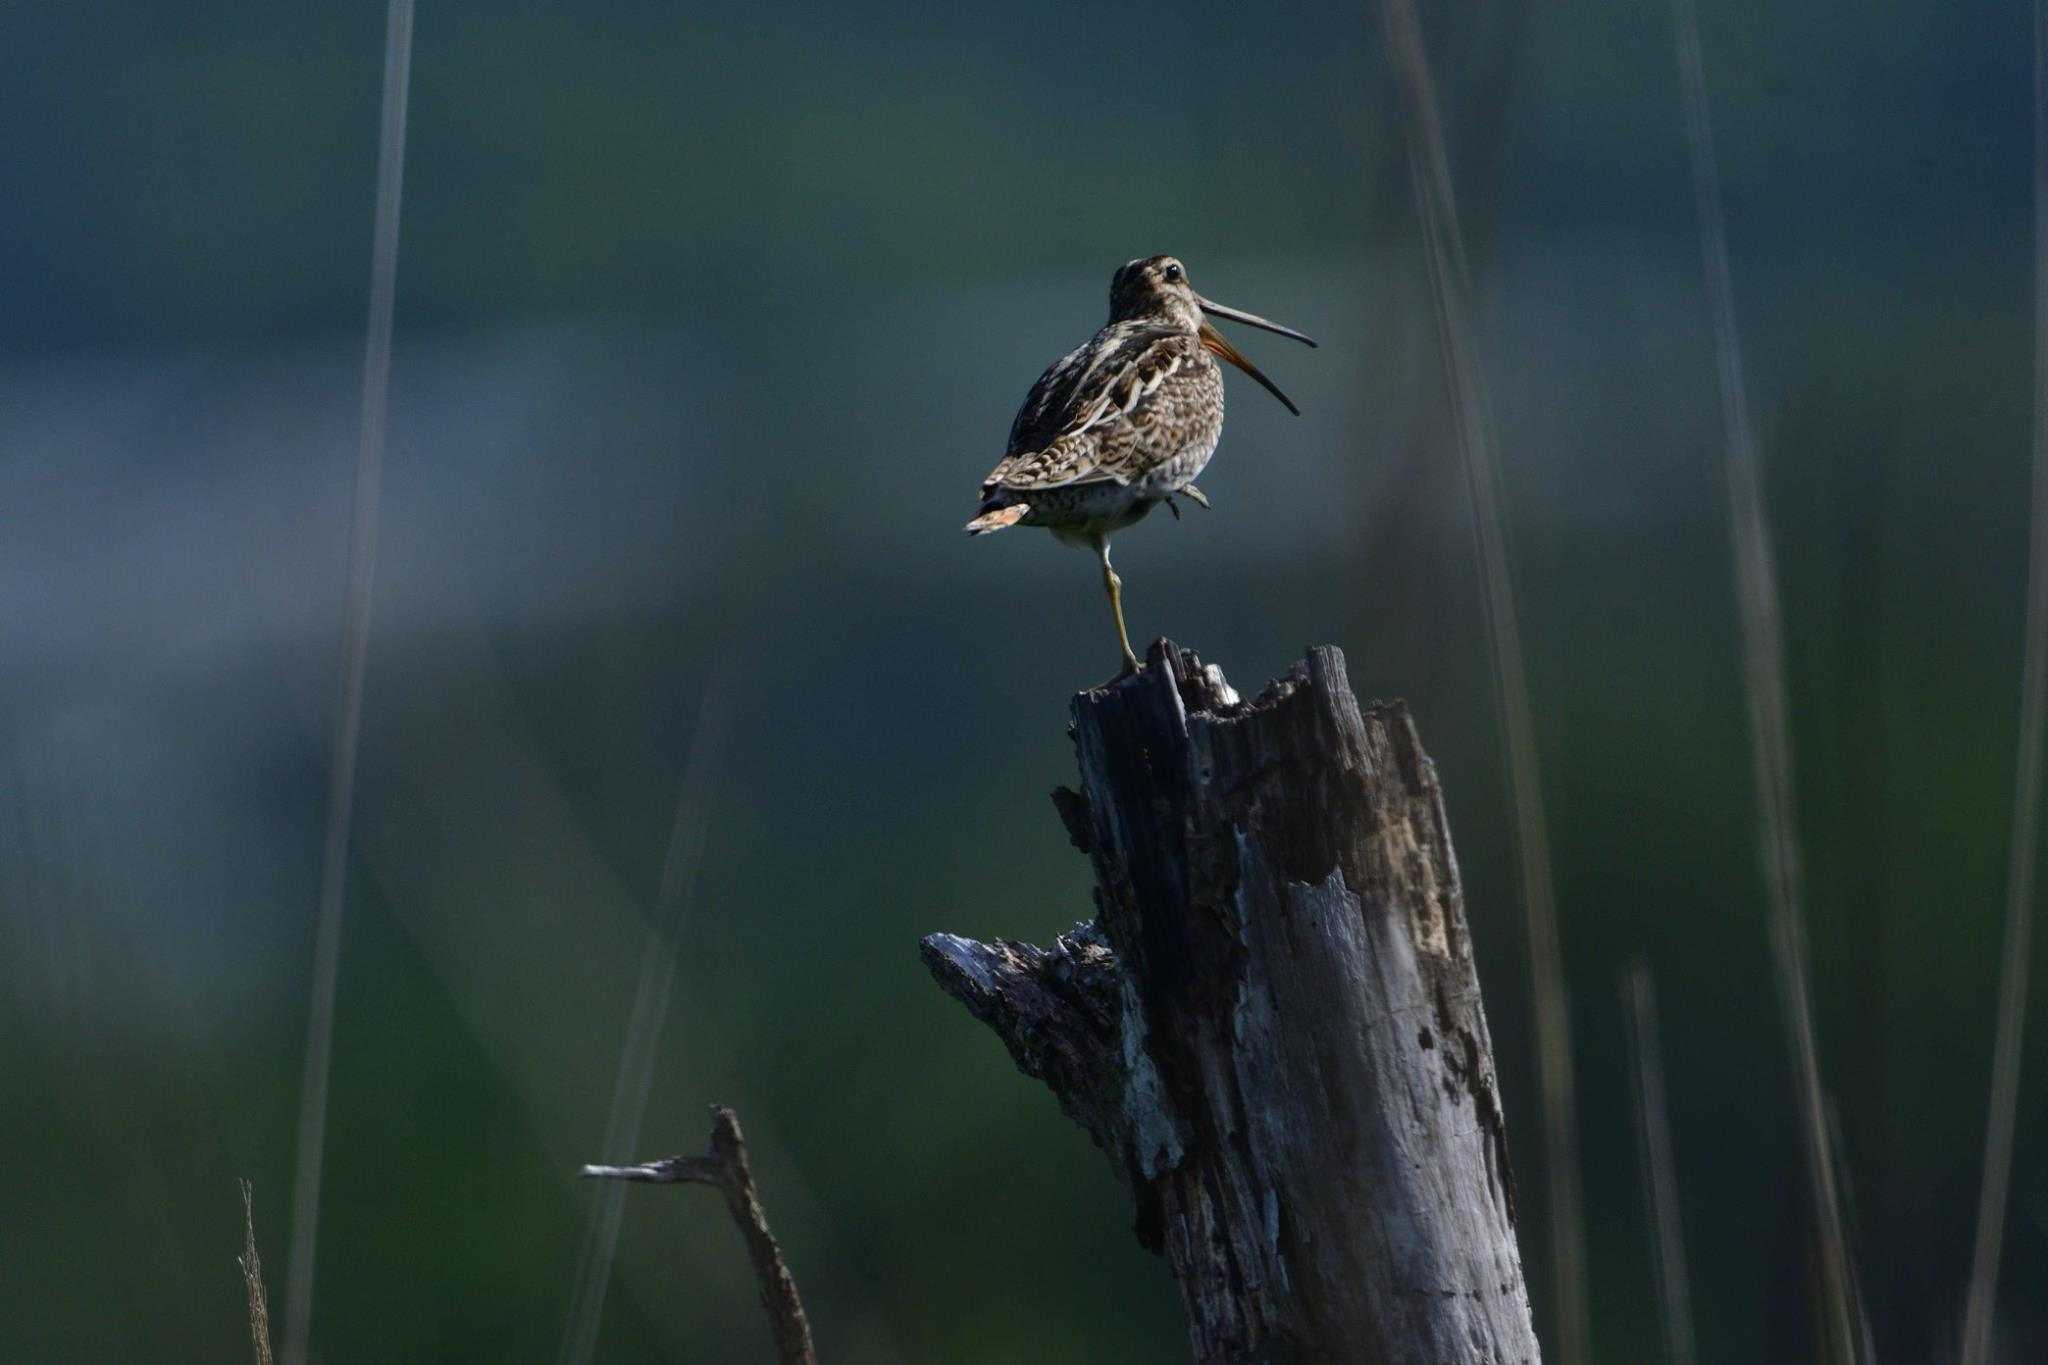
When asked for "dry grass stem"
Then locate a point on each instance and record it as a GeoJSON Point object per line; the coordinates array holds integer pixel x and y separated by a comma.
{"type": "Point", "coordinates": [362, 555]}
{"type": "Point", "coordinates": [1444, 252]}
{"type": "Point", "coordinates": [1659, 1169]}
{"type": "Point", "coordinates": [650, 1005]}
{"type": "Point", "coordinates": [2016, 963]}
{"type": "Point", "coordinates": [1763, 651]}
{"type": "Point", "coordinates": [252, 1278]}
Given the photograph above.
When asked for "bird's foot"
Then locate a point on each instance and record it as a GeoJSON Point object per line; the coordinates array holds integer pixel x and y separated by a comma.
{"type": "Point", "coordinates": [1193, 494]}
{"type": "Point", "coordinates": [1131, 668]}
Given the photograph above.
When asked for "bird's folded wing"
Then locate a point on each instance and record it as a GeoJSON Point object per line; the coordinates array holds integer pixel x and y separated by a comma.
{"type": "Point", "coordinates": [1102, 407]}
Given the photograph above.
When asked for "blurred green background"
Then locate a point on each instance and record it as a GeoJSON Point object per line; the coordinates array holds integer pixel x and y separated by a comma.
{"type": "Point", "coordinates": [709, 322]}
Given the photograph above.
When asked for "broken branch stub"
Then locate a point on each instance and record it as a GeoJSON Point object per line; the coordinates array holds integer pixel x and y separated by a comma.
{"type": "Point", "coordinates": [1273, 1026]}
{"type": "Point", "coordinates": [726, 1167]}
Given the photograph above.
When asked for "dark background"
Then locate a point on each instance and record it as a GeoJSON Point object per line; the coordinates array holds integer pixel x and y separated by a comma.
{"type": "Point", "coordinates": [709, 322]}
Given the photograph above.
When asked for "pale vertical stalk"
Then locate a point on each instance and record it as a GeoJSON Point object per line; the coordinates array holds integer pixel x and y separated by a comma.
{"type": "Point", "coordinates": [1444, 253]}
{"type": "Point", "coordinates": [1659, 1169]}
{"type": "Point", "coordinates": [251, 1266]}
{"type": "Point", "coordinates": [2002, 1111]}
{"type": "Point", "coordinates": [1763, 650]}
{"type": "Point", "coordinates": [362, 557]}
{"type": "Point", "coordinates": [651, 996]}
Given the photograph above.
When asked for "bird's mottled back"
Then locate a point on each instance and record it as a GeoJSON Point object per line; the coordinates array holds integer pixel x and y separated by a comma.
{"type": "Point", "coordinates": [1080, 382]}
{"type": "Point", "coordinates": [1137, 397]}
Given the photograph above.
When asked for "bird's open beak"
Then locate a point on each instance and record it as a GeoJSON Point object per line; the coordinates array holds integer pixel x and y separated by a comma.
{"type": "Point", "coordinates": [1213, 340]}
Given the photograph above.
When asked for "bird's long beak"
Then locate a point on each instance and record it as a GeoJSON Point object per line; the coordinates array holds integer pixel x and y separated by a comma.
{"type": "Point", "coordinates": [1213, 341]}
{"type": "Point", "coordinates": [1215, 309]}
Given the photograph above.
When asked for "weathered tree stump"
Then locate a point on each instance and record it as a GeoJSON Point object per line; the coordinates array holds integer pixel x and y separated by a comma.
{"type": "Point", "coordinates": [1272, 1026]}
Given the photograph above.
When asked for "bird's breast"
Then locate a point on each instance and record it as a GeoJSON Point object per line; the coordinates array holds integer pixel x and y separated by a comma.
{"type": "Point", "coordinates": [1185, 432]}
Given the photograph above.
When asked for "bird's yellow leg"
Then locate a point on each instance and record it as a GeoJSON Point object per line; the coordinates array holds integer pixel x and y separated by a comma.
{"type": "Point", "coordinates": [1115, 587]}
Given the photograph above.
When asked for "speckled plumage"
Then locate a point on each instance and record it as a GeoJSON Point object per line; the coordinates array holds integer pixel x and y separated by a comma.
{"type": "Point", "coordinates": [1123, 423]}
{"type": "Point", "coordinates": [1111, 429]}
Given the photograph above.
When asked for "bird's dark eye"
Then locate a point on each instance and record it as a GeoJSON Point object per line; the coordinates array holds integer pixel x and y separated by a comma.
{"type": "Point", "coordinates": [1173, 274]}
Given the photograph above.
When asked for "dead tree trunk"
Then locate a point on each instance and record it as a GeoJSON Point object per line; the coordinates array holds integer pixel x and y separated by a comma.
{"type": "Point", "coordinates": [1272, 1026]}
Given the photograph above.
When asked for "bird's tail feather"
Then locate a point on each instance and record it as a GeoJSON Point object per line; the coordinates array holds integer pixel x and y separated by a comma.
{"type": "Point", "coordinates": [998, 519]}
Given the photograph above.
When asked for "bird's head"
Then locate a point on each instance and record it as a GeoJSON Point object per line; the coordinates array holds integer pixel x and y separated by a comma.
{"type": "Point", "coordinates": [1155, 289]}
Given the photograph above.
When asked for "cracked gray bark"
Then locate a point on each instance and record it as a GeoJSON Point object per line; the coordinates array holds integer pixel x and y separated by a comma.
{"type": "Point", "coordinates": [1272, 1027]}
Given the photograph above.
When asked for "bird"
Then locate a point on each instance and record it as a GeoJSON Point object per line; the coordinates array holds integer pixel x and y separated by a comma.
{"type": "Point", "coordinates": [1123, 423]}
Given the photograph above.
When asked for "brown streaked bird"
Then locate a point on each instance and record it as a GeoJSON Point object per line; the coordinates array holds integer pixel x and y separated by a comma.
{"type": "Point", "coordinates": [1124, 423]}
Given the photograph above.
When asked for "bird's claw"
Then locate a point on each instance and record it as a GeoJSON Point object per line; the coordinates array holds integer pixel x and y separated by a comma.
{"type": "Point", "coordinates": [1130, 669]}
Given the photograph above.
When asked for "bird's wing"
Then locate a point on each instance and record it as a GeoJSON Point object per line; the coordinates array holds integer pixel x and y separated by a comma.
{"type": "Point", "coordinates": [1045, 408]}
{"type": "Point", "coordinates": [1076, 424]}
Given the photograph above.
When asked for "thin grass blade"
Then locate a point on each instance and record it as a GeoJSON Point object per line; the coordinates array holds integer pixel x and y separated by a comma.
{"type": "Point", "coordinates": [1763, 652]}
{"type": "Point", "coordinates": [651, 998]}
{"type": "Point", "coordinates": [1444, 253]}
{"type": "Point", "coordinates": [2016, 964]}
{"type": "Point", "coordinates": [362, 557]}
{"type": "Point", "coordinates": [1659, 1169]}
